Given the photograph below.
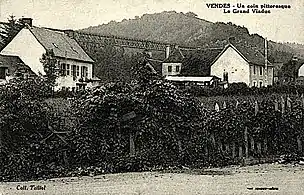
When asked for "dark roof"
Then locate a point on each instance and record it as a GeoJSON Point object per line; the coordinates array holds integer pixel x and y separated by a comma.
{"type": "Point", "coordinates": [7, 60]}
{"type": "Point", "coordinates": [205, 56]}
{"type": "Point", "coordinates": [250, 54]}
{"type": "Point", "coordinates": [13, 63]}
{"type": "Point", "coordinates": [176, 56]}
{"type": "Point", "coordinates": [198, 62]}
{"type": "Point", "coordinates": [156, 64]}
{"type": "Point", "coordinates": [62, 45]}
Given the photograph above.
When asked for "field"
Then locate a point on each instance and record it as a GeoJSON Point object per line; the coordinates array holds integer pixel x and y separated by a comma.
{"type": "Point", "coordinates": [258, 179]}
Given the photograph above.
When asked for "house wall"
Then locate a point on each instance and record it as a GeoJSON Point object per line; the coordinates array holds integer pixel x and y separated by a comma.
{"type": "Point", "coordinates": [33, 53]}
{"type": "Point", "coordinates": [68, 81]}
{"type": "Point", "coordinates": [270, 76]}
{"type": "Point", "coordinates": [257, 78]}
{"type": "Point", "coordinates": [301, 71]}
{"type": "Point", "coordinates": [232, 63]}
{"type": "Point", "coordinates": [28, 49]}
{"type": "Point", "coordinates": [165, 71]}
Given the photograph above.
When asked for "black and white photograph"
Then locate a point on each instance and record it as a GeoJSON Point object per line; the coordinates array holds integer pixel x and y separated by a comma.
{"type": "Point", "coordinates": [151, 97]}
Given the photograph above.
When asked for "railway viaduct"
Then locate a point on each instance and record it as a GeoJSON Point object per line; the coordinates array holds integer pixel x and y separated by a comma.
{"type": "Point", "coordinates": [90, 41]}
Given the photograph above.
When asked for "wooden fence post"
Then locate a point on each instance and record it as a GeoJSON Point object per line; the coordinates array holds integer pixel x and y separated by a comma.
{"type": "Point", "coordinates": [259, 147]}
{"type": "Point", "coordinates": [233, 150]}
{"type": "Point", "coordinates": [227, 151]}
{"type": "Point", "coordinates": [300, 148]}
{"type": "Point", "coordinates": [240, 151]}
{"type": "Point", "coordinates": [0, 139]}
{"type": "Point", "coordinates": [265, 146]}
{"type": "Point", "coordinates": [206, 150]}
{"type": "Point", "coordinates": [212, 139]}
{"type": "Point", "coordinates": [132, 145]}
{"type": "Point", "coordinates": [252, 144]}
{"type": "Point", "coordinates": [220, 146]}
{"type": "Point", "coordinates": [246, 142]}
{"type": "Point", "coordinates": [179, 142]}
{"type": "Point", "coordinates": [65, 158]}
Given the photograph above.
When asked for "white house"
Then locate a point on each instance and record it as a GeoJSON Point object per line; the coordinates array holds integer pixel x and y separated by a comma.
{"type": "Point", "coordinates": [172, 64]}
{"type": "Point", "coordinates": [242, 64]}
{"type": "Point", "coordinates": [232, 64]}
{"type": "Point", "coordinates": [76, 67]}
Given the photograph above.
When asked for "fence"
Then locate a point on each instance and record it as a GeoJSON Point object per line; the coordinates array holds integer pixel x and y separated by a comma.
{"type": "Point", "coordinates": [266, 132]}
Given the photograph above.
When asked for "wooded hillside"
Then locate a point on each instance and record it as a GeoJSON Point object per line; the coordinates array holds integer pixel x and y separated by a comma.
{"type": "Point", "coordinates": [188, 29]}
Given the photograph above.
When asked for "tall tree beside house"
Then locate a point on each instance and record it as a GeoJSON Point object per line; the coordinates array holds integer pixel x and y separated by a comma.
{"type": "Point", "coordinates": [50, 68]}
{"type": "Point", "coordinates": [9, 30]}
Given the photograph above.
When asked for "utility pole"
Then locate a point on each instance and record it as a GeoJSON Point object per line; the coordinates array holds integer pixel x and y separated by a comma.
{"type": "Point", "coordinates": [266, 63]}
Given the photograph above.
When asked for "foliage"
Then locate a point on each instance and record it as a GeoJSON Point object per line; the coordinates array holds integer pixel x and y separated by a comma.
{"type": "Point", "coordinates": [25, 124]}
{"type": "Point", "coordinates": [50, 68]}
{"type": "Point", "coordinates": [9, 30]}
{"type": "Point", "coordinates": [241, 89]}
{"type": "Point", "coordinates": [103, 133]}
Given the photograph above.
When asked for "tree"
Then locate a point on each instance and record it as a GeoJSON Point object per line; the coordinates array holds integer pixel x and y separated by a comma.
{"type": "Point", "coordinates": [191, 14]}
{"type": "Point", "coordinates": [50, 68]}
{"type": "Point", "coordinates": [9, 30]}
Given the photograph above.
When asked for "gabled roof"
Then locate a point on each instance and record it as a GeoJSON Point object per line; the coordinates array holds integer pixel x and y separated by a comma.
{"type": "Point", "coordinates": [205, 56]}
{"type": "Point", "coordinates": [13, 63]}
{"type": "Point", "coordinates": [198, 62]}
{"type": "Point", "coordinates": [175, 57]}
{"type": "Point", "coordinates": [7, 60]}
{"type": "Point", "coordinates": [62, 45]}
{"type": "Point", "coordinates": [249, 54]}
{"type": "Point", "coordinates": [156, 65]}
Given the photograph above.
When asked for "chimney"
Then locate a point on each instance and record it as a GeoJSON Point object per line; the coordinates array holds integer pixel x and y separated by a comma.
{"type": "Point", "coordinates": [70, 33]}
{"type": "Point", "coordinates": [266, 62]}
{"type": "Point", "coordinates": [232, 40]}
{"type": "Point", "coordinates": [26, 21]}
{"type": "Point", "coordinates": [167, 51]}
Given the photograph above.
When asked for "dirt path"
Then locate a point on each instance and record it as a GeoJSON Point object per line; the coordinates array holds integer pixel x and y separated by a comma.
{"type": "Point", "coordinates": [283, 179]}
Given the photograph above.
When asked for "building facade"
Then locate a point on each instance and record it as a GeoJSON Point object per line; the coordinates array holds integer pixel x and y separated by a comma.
{"type": "Point", "coordinates": [231, 64]}
{"type": "Point", "coordinates": [242, 65]}
{"type": "Point", "coordinates": [74, 65]}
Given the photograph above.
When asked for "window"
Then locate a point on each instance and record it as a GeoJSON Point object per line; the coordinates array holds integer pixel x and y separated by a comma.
{"type": "Point", "coordinates": [68, 69]}
{"type": "Point", "coordinates": [261, 70]}
{"type": "Point", "coordinates": [86, 72]}
{"type": "Point", "coordinates": [254, 69]}
{"type": "Point", "coordinates": [73, 71]}
{"type": "Point", "coordinates": [77, 70]}
{"type": "Point", "coordinates": [82, 71]}
{"type": "Point", "coordinates": [177, 68]}
{"type": "Point", "coordinates": [63, 69]}
{"type": "Point", "coordinates": [254, 84]}
{"type": "Point", "coordinates": [169, 68]}
{"type": "Point", "coordinates": [225, 76]}
{"type": "Point", "coordinates": [2, 73]}
{"type": "Point", "coordinates": [55, 45]}
{"type": "Point", "coordinates": [261, 84]}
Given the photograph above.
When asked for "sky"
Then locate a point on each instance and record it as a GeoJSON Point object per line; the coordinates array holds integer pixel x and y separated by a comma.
{"type": "Point", "coordinates": [283, 25]}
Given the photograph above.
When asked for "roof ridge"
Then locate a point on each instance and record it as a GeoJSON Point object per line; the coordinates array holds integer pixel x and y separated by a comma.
{"type": "Point", "coordinates": [66, 46]}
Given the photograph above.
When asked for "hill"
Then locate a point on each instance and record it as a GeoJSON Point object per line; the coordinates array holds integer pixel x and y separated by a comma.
{"type": "Point", "coordinates": [188, 29]}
